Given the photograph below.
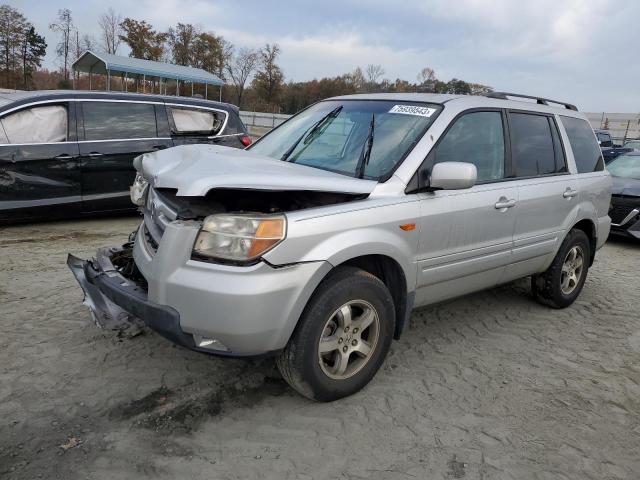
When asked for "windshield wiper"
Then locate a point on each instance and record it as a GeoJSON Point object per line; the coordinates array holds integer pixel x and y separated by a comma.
{"type": "Point", "coordinates": [365, 153]}
{"type": "Point", "coordinates": [310, 133]}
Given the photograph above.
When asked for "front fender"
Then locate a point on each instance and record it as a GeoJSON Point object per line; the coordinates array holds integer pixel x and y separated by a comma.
{"type": "Point", "coordinates": [339, 237]}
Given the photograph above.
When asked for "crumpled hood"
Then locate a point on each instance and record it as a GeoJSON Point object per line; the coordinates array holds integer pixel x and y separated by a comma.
{"type": "Point", "coordinates": [625, 186]}
{"type": "Point", "coordinates": [196, 169]}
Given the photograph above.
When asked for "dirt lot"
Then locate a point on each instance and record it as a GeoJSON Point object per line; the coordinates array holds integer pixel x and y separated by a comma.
{"type": "Point", "coordinates": [488, 387]}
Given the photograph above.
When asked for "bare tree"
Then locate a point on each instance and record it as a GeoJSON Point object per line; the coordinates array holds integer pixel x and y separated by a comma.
{"type": "Point", "coordinates": [111, 30]}
{"type": "Point", "coordinates": [427, 80]}
{"type": "Point", "coordinates": [357, 79]}
{"type": "Point", "coordinates": [64, 26]}
{"type": "Point", "coordinates": [239, 68]}
{"type": "Point", "coordinates": [373, 73]}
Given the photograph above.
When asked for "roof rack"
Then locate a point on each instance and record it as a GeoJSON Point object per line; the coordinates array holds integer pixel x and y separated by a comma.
{"type": "Point", "coordinates": [539, 100]}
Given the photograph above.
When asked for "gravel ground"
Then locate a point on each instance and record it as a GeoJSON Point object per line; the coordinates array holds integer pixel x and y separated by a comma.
{"type": "Point", "coordinates": [490, 386]}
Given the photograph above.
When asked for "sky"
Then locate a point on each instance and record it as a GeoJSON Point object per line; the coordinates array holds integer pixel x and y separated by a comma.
{"type": "Point", "coordinates": [579, 51]}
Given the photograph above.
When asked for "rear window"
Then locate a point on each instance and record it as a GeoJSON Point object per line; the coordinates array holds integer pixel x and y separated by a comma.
{"type": "Point", "coordinates": [535, 146]}
{"type": "Point", "coordinates": [118, 120]}
{"type": "Point", "coordinates": [586, 151]}
{"type": "Point", "coordinates": [46, 124]}
{"type": "Point", "coordinates": [196, 121]}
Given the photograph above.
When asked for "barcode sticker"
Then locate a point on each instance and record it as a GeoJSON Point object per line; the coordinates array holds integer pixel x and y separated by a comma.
{"type": "Point", "coordinates": [413, 110]}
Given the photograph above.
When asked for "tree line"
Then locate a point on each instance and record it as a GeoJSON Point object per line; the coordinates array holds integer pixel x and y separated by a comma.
{"type": "Point", "coordinates": [253, 78]}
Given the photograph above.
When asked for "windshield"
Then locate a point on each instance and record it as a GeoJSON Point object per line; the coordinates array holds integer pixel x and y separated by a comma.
{"type": "Point", "coordinates": [337, 136]}
{"type": "Point", "coordinates": [633, 144]}
{"type": "Point", "coordinates": [625, 166]}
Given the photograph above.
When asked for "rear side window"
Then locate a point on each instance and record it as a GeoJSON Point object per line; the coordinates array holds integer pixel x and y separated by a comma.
{"type": "Point", "coordinates": [196, 121]}
{"type": "Point", "coordinates": [478, 138]}
{"type": "Point", "coordinates": [535, 145]}
{"type": "Point", "coordinates": [47, 124]}
{"type": "Point", "coordinates": [118, 120]}
{"type": "Point", "coordinates": [586, 151]}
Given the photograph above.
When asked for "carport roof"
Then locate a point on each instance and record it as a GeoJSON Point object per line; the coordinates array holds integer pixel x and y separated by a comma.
{"type": "Point", "coordinates": [102, 62]}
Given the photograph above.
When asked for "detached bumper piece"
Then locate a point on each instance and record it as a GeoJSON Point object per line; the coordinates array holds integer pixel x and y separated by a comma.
{"type": "Point", "coordinates": [116, 300]}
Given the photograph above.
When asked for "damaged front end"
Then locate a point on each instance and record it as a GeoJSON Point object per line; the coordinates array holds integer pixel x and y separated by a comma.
{"type": "Point", "coordinates": [116, 294]}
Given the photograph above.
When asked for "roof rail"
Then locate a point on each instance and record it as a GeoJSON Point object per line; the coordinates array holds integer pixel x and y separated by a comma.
{"type": "Point", "coordinates": [539, 100]}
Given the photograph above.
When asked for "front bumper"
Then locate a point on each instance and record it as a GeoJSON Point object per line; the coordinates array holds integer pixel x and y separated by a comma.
{"type": "Point", "coordinates": [221, 309]}
{"type": "Point", "coordinates": [114, 299]}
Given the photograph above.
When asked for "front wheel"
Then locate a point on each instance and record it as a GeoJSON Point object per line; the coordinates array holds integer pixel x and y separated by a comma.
{"type": "Point", "coordinates": [561, 284]}
{"type": "Point", "coordinates": [342, 337]}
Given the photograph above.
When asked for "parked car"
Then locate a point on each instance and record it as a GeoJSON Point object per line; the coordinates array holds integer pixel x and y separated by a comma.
{"type": "Point", "coordinates": [315, 244]}
{"type": "Point", "coordinates": [69, 153]}
{"type": "Point", "coordinates": [625, 198]}
{"type": "Point", "coordinates": [609, 149]}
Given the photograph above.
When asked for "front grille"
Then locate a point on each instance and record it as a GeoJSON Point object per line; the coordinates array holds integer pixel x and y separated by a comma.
{"type": "Point", "coordinates": [151, 243]}
{"type": "Point", "coordinates": [158, 213]}
{"type": "Point", "coordinates": [621, 206]}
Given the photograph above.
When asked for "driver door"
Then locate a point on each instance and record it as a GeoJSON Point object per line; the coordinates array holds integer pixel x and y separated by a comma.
{"type": "Point", "coordinates": [466, 236]}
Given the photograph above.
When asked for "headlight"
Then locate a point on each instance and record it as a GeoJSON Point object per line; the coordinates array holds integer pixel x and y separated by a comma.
{"type": "Point", "coordinates": [138, 191]}
{"type": "Point", "coordinates": [239, 238]}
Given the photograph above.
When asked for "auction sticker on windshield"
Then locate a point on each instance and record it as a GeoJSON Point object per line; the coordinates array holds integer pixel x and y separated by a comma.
{"type": "Point", "coordinates": [413, 110]}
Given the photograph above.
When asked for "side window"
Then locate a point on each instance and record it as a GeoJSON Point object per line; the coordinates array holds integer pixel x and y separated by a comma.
{"type": "Point", "coordinates": [196, 121]}
{"type": "Point", "coordinates": [478, 138]}
{"type": "Point", "coordinates": [46, 124]}
{"type": "Point", "coordinates": [586, 151]}
{"type": "Point", "coordinates": [535, 146]}
{"type": "Point", "coordinates": [118, 120]}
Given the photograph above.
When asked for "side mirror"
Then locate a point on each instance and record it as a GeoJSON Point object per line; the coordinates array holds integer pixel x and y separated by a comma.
{"type": "Point", "coordinates": [453, 175]}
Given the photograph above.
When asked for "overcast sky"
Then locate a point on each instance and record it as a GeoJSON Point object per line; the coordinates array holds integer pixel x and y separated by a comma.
{"type": "Point", "coordinates": [581, 51]}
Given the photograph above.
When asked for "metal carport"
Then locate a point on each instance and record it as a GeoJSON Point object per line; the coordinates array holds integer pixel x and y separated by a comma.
{"type": "Point", "coordinates": [106, 64]}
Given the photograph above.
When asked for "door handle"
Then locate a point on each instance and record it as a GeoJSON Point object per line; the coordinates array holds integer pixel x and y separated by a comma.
{"type": "Point", "coordinates": [569, 193]}
{"type": "Point", "coordinates": [95, 154]}
{"type": "Point", "coordinates": [503, 203]}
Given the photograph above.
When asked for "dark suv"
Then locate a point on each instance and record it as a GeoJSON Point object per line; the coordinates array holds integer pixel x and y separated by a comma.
{"type": "Point", "coordinates": [70, 153]}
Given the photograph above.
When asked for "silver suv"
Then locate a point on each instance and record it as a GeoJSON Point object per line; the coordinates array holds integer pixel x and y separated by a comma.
{"type": "Point", "coordinates": [316, 243]}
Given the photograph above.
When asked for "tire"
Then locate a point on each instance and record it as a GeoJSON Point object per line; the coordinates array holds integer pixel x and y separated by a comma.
{"type": "Point", "coordinates": [349, 297]}
{"type": "Point", "coordinates": [552, 288]}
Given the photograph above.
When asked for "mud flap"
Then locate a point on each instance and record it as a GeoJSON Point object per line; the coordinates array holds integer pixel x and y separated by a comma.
{"type": "Point", "coordinates": [105, 313]}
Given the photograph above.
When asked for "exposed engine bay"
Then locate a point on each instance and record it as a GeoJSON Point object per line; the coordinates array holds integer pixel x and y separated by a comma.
{"type": "Point", "coordinates": [222, 200]}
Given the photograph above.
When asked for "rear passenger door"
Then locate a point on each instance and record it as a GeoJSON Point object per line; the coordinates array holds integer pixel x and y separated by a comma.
{"type": "Point", "coordinates": [196, 124]}
{"type": "Point", "coordinates": [113, 133]}
{"type": "Point", "coordinates": [548, 195]}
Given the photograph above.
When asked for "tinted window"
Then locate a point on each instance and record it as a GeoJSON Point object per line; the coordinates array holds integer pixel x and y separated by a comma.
{"type": "Point", "coordinates": [46, 124]}
{"type": "Point", "coordinates": [586, 151]}
{"type": "Point", "coordinates": [477, 138]}
{"type": "Point", "coordinates": [532, 145]}
{"type": "Point", "coordinates": [105, 121]}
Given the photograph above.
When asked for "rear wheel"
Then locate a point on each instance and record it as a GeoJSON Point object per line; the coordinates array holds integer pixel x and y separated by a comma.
{"type": "Point", "coordinates": [561, 284]}
{"type": "Point", "coordinates": [342, 338]}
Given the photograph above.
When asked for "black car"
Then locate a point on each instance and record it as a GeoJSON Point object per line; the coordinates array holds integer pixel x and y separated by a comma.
{"type": "Point", "coordinates": [609, 149]}
{"type": "Point", "coordinates": [625, 194]}
{"type": "Point", "coordinates": [70, 153]}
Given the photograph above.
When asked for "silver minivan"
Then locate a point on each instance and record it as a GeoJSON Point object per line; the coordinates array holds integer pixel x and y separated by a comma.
{"type": "Point", "coordinates": [316, 243]}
